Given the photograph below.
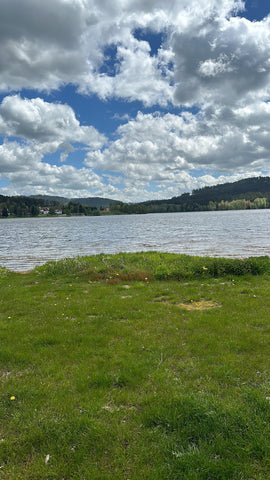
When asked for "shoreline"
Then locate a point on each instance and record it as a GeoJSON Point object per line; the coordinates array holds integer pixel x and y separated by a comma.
{"type": "Point", "coordinates": [151, 264]}
{"type": "Point", "coordinates": [117, 214]}
{"type": "Point", "coordinates": [83, 258]}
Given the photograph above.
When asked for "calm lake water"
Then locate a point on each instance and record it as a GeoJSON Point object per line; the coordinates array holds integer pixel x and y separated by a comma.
{"type": "Point", "coordinates": [28, 242]}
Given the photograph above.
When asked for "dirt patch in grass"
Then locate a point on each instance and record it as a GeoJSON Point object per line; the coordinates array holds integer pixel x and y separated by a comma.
{"type": "Point", "coordinates": [199, 305]}
{"type": "Point", "coordinates": [190, 304]}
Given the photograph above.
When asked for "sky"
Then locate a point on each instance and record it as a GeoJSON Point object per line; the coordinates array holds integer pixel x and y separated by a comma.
{"type": "Point", "coordinates": [132, 99]}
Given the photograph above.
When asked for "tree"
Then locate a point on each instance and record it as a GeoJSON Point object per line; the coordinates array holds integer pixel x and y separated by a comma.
{"type": "Point", "coordinates": [81, 209]}
{"type": "Point", "coordinates": [34, 211]}
{"type": "Point", "coordinates": [212, 205]}
{"type": "Point", "coordinates": [5, 212]}
{"type": "Point", "coordinates": [260, 203]}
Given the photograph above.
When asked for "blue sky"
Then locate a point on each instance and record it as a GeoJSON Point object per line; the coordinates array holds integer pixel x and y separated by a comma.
{"type": "Point", "coordinates": [132, 99]}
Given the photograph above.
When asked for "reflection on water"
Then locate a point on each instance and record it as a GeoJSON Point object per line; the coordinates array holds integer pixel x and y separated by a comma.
{"type": "Point", "coordinates": [27, 242]}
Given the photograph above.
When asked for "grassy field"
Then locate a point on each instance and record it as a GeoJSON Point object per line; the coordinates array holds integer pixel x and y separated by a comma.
{"type": "Point", "coordinates": [136, 366]}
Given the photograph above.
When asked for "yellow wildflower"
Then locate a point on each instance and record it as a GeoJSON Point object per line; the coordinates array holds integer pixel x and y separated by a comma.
{"type": "Point", "coordinates": [12, 398]}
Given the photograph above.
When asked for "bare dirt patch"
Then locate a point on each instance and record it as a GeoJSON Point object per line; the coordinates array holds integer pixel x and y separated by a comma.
{"type": "Point", "coordinates": [199, 305]}
{"type": "Point", "coordinates": [192, 304]}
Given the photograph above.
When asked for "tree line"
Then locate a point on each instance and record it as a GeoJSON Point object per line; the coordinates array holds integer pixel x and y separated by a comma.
{"type": "Point", "coordinates": [23, 206]}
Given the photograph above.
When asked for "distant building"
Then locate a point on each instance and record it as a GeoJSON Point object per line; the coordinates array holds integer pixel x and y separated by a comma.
{"type": "Point", "coordinates": [44, 210]}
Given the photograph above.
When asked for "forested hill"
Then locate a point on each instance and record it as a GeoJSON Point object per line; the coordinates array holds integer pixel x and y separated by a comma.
{"type": "Point", "coordinates": [244, 194]}
{"type": "Point", "coordinates": [248, 189]}
{"type": "Point", "coordinates": [95, 202]}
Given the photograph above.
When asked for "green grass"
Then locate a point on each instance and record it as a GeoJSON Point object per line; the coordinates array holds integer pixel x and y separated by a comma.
{"type": "Point", "coordinates": [136, 366]}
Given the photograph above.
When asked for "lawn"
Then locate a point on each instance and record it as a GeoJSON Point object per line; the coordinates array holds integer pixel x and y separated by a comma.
{"type": "Point", "coordinates": [136, 366]}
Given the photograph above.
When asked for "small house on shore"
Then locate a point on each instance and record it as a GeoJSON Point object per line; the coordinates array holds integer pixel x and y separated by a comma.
{"type": "Point", "coordinates": [47, 210]}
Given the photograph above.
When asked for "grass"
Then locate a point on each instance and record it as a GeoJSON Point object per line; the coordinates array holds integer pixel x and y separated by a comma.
{"type": "Point", "coordinates": [136, 366]}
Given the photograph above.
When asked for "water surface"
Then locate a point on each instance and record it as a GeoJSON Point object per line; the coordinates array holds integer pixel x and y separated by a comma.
{"type": "Point", "coordinates": [28, 242]}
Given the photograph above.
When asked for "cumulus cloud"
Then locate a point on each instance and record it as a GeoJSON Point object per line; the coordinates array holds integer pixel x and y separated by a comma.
{"type": "Point", "coordinates": [207, 51]}
{"type": "Point", "coordinates": [42, 128]}
{"type": "Point", "coordinates": [224, 61]}
{"type": "Point", "coordinates": [15, 157]}
{"type": "Point", "coordinates": [153, 150]}
{"type": "Point", "coordinates": [45, 45]}
{"type": "Point", "coordinates": [26, 171]}
{"type": "Point", "coordinates": [164, 148]}
{"type": "Point", "coordinates": [46, 123]}
{"type": "Point", "coordinates": [211, 60]}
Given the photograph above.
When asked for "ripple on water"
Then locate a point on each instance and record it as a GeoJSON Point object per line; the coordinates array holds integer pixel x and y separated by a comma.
{"type": "Point", "coordinates": [28, 242]}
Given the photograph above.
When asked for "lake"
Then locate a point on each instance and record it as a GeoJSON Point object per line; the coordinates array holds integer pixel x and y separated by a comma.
{"type": "Point", "coordinates": [28, 242]}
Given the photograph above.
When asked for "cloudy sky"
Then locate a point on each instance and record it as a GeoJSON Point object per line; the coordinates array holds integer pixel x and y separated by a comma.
{"type": "Point", "coordinates": [132, 99]}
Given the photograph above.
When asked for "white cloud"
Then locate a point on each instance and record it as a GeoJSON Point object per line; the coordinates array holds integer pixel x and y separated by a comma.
{"type": "Point", "coordinates": [22, 165]}
{"type": "Point", "coordinates": [213, 67]}
{"type": "Point", "coordinates": [153, 152]}
{"type": "Point", "coordinates": [42, 128]}
{"type": "Point", "coordinates": [45, 45]}
{"type": "Point", "coordinates": [53, 125]}
{"type": "Point", "coordinates": [209, 58]}
{"type": "Point", "coordinates": [215, 56]}
{"type": "Point", "coordinates": [225, 61]}
{"type": "Point", "coordinates": [15, 157]}
{"type": "Point", "coordinates": [156, 148]}
{"type": "Point", "coordinates": [57, 42]}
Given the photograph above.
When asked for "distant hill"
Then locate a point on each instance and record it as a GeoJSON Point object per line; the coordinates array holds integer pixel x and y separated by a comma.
{"type": "Point", "coordinates": [49, 199]}
{"type": "Point", "coordinates": [94, 202]}
{"type": "Point", "coordinates": [248, 189]}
